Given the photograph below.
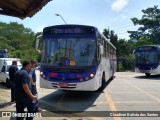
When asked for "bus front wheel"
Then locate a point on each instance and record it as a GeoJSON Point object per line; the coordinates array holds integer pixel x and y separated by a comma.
{"type": "Point", "coordinates": [147, 74]}
{"type": "Point", "coordinates": [103, 85]}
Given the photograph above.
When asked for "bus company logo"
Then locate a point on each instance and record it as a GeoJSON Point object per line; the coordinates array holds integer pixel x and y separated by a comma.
{"type": "Point", "coordinates": [6, 114]}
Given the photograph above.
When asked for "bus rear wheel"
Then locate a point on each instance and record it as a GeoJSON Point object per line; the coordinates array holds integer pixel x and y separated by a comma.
{"type": "Point", "coordinates": [147, 74]}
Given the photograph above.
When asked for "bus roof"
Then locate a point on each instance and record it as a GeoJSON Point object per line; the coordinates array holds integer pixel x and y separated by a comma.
{"type": "Point", "coordinates": [148, 46]}
{"type": "Point", "coordinates": [107, 40]}
{"type": "Point", "coordinates": [71, 25]}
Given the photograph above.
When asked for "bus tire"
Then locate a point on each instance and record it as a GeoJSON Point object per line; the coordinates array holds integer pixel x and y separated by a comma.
{"type": "Point", "coordinates": [103, 85]}
{"type": "Point", "coordinates": [147, 74]}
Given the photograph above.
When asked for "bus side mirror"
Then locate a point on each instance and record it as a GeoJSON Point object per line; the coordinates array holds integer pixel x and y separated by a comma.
{"type": "Point", "coordinates": [38, 38]}
{"type": "Point", "coordinates": [133, 52]}
{"type": "Point", "coordinates": [101, 50]}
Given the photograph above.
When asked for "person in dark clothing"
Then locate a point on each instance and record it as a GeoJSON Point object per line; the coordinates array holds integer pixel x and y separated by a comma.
{"type": "Point", "coordinates": [32, 74]}
{"type": "Point", "coordinates": [12, 70]}
{"type": "Point", "coordinates": [23, 95]}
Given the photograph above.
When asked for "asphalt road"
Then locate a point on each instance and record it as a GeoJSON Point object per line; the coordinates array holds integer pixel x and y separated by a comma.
{"type": "Point", "coordinates": [128, 94]}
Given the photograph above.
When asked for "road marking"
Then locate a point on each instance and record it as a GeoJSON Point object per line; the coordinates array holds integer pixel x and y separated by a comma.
{"type": "Point", "coordinates": [134, 102]}
{"type": "Point", "coordinates": [111, 104]}
{"type": "Point", "coordinates": [98, 103]}
{"type": "Point", "coordinates": [60, 101]}
{"type": "Point", "coordinates": [140, 92]}
{"type": "Point", "coordinates": [147, 93]}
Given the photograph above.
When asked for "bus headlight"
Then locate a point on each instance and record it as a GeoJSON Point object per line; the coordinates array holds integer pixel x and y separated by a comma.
{"type": "Point", "coordinates": [41, 73]}
{"type": "Point", "coordinates": [91, 75]}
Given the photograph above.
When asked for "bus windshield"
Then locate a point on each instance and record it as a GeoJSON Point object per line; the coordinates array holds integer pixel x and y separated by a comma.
{"type": "Point", "coordinates": [69, 52]}
{"type": "Point", "coordinates": [146, 57]}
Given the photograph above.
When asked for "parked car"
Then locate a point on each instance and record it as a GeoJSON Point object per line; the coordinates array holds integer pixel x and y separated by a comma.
{"type": "Point", "coordinates": [5, 63]}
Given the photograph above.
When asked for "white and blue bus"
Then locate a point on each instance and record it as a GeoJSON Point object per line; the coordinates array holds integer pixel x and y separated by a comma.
{"type": "Point", "coordinates": [147, 59]}
{"type": "Point", "coordinates": [75, 57]}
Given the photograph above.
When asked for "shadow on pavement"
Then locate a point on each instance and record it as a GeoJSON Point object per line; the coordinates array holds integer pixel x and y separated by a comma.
{"type": "Point", "coordinates": [3, 86]}
{"type": "Point", "coordinates": [107, 83]}
{"type": "Point", "coordinates": [151, 77]}
{"type": "Point", "coordinates": [70, 101]}
{"type": "Point", "coordinates": [5, 104]}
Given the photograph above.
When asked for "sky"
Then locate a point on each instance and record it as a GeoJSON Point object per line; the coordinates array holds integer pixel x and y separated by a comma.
{"type": "Point", "coordinates": [113, 14]}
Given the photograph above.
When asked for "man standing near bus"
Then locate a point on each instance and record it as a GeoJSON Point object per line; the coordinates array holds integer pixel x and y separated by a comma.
{"type": "Point", "coordinates": [23, 95]}
{"type": "Point", "coordinates": [12, 70]}
{"type": "Point", "coordinates": [32, 75]}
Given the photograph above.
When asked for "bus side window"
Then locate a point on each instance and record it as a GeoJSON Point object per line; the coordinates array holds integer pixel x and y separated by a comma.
{"type": "Point", "coordinates": [104, 46]}
{"type": "Point", "coordinates": [159, 56]}
{"type": "Point", "coordinates": [107, 50]}
{"type": "Point", "coordinates": [99, 38]}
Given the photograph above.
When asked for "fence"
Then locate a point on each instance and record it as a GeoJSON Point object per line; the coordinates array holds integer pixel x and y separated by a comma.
{"type": "Point", "coordinates": [125, 64]}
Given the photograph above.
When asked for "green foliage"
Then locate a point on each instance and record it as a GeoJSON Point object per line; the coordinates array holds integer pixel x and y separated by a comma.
{"type": "Point", "coordinates": [120, 67]}
{"type": "Point", "coordinates": [149, 30]}
{"type": "Point", "coordinates": [111, 35]}
{"type": "Point", "coordinates": [123, 48]}
{"type": "Point", "coordinates": [106, 33]}
{"type": "Point", "coordinates": [19, 41]}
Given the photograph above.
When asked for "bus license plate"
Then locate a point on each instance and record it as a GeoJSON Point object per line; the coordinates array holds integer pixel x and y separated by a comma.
{"type": "Point", "coordinates": [63, 84]}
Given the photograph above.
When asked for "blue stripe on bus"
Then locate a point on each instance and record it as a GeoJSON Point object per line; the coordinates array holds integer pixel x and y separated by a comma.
{"type": "Point", "coordinates": [147, 67]}
{"type": "Point", "coordinates": [68, 76]}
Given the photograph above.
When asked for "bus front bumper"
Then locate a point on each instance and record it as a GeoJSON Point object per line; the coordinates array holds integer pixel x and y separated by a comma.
{"type": "Point", "coordinates": [90, 85]}
{"type": "Point", "coordinates": [152, 71]}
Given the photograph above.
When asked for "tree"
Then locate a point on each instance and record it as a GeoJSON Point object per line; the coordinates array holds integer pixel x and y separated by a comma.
{"type": "Point", "coordinates": [111, 35]}
{"type": "Point", "coordinates": [19, 41]}
{"type": "Point", "coordinates": [123, 48]}
{"type": "Point", "coordinates": [113, 38]}
{"type": "Point", "coordinates": [149, 30]}
{"type": "Point", "coordinates": [106, 33]}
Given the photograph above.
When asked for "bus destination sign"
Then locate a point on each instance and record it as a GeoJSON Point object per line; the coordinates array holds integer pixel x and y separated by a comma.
{"type": "Point", "coordinates": [69, 30]}
{"type": "Point", "coordinates": [146, 48]}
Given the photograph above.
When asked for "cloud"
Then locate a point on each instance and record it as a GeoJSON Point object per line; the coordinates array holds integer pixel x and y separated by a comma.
{"type": "Point", "coordinates": [120, 18]}
{"type": "Point", "coordinates": [108, 1]}
{"type": "Point", "coordinates": [117, 5]}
